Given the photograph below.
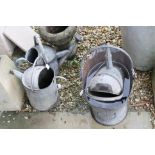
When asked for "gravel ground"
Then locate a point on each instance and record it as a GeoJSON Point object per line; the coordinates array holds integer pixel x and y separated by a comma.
{"type": "Point", "coordinates": [141, 97]}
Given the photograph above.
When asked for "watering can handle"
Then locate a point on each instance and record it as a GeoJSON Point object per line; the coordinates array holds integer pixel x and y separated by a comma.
{"type": "Point", "coordinates": [59, 85]}
{"type": "Point", "coordinates": [32, 73]}
{"type": "Point", "coordinates": [38, 42]}
{"type": "Point", "coordinates": [47, 66]}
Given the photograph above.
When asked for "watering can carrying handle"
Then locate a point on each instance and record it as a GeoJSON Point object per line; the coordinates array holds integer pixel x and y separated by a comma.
{"type": "Point", "coordinates": [57, 77]}
{"type": "Point", "coordinates": [37, 41]}
{"type": "Point", "coordinates": [59, 85]}
{"type": "Point", "coordinates": [33, 72]}
{"type": "Point", "coordinates": [47, 66]}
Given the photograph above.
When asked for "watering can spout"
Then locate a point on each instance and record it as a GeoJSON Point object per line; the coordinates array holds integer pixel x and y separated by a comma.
{"type": "Point", "coordinates": [17, 74]}
{"type": "Point", "coordinates": [62, 56]}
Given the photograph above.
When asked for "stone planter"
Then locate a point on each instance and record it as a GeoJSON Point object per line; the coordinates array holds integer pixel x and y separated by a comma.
{"type": "Point", "coordinates": [58, 36]}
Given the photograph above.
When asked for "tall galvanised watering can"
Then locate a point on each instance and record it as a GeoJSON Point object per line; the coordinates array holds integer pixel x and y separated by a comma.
{"type": "Point", "coordinates": [46, 55]}
{"type": "Point", "coordinates": [139, 42]}
{"type": "Point", "coordinates": [107, 76]}
{"type": "Point", "coordinates": [40, 85]}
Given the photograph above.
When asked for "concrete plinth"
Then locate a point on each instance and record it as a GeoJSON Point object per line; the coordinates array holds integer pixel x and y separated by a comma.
{"type": "Point", "coordinates": [6, 46]}
{"type": "Point", "coordinates": [11, 89]}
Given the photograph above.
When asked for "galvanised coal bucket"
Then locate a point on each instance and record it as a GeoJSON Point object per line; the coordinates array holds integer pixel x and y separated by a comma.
{"type": "Point", "coordinates": [108, 105]}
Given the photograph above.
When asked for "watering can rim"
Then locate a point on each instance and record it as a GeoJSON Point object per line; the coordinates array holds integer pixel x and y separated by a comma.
{"type": "Point", "coordinates": [53, 53]}
{"type": "Point", "coordinates": [22, 76]}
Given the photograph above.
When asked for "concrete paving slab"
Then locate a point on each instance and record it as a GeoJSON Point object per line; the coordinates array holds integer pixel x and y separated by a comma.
{"type": "Point", "coordinates": [6, 46]}
{"type": "Point", "coordinates": [45, 120]}
{"type": "Point", "coordinates": [11, 88]}
{"type": "Point", "coordinates": [22, 36]}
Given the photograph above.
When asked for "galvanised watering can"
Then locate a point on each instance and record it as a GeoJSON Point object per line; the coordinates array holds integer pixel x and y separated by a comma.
{"type": "Point", "coordinates": [40, 85]}
{"type": "Point", "coordinates": [45, 54]}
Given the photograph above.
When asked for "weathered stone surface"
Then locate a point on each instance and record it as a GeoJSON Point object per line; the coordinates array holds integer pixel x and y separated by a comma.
{"type": "Point", "coordinates": [11, 89]}
{"type": "Point", "coordinates": [64, 120]}
{"type": "Point", "coordinates": [6, 46]}
{"type": "Point", "coordinates": [22, 36]}
{"type": "Point", "coordinates": [59, 36]}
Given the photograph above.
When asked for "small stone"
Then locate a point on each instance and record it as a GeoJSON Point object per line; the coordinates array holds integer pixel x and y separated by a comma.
{"type": "Point", "coordinates": [26, 117]}
{"type": "Point", "coordinates": [136, 100]}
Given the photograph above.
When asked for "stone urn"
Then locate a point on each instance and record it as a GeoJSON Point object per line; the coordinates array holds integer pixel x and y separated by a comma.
{"type": "Point", "coordinates": [58, 36]}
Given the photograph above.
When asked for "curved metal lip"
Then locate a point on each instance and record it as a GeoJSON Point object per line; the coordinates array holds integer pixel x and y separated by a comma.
{"type": "Point", "coordinates": [106, 104]}
{"type": "Point", "coordinates": [104, 99]}
{"type": "Point", "coordinates": [111, 103]}
{"type": "Point", "coordinates": [105, 46]}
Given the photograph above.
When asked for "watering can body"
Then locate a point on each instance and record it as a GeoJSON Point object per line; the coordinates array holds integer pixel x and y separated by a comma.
{"type": "Point", "coordinates": [40, 85]}
{"type": "Point", "coordinates": [43, 99]}
{"type": "Point", "coordinates": [139, 42]}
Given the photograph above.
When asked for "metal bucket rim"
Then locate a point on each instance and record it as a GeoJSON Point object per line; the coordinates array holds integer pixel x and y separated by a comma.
{"type": "Point", "coordinates": [104, 46]}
